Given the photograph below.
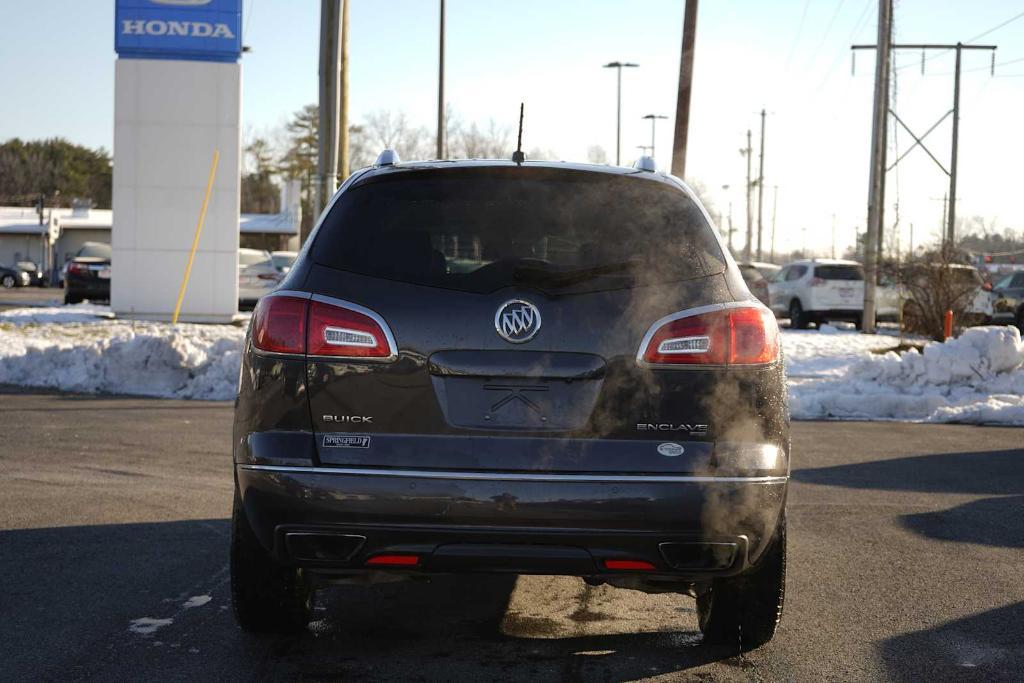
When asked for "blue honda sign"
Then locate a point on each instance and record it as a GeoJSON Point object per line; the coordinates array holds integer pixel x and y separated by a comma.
{"type": "Point", "coordinates": [206, 30]}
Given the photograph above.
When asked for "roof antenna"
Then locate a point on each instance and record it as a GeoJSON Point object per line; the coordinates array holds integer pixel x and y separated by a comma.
{"type": "Point", "coordinates": [518, 156]}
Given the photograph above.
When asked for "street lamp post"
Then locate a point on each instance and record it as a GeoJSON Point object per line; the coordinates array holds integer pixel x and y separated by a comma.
{"type": "Point", "coordinates": [618, 66]}
{"type": "Point", "coordinates": [654, 122]}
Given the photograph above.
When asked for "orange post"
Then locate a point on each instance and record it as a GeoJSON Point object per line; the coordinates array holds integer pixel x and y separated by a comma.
{"type": "Point", "coordinates": [947, 325]}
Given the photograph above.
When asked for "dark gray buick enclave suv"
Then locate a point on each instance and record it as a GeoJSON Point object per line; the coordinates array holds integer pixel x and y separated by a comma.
{"type": "Point", "coordinates": [534, 368]}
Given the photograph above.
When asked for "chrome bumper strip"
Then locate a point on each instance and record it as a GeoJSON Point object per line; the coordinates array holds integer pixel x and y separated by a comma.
{"type": "Point", "coordinates": [516, 476]}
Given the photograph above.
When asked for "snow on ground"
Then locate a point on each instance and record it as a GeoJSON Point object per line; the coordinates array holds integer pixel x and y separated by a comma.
{"type": "Point", "coordinates": [976, 378]}
{"type": "Point", "coordinates": [832, 373]}
{"type": "Point", "coordinates": [71, 349]}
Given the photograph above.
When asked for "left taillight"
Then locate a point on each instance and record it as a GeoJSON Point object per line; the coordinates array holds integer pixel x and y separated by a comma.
{"type": "Point", "coordinates": [746, 335]}
{"type": "Point", "coordinates": [279, 324]}
{"type": "Point", "coordinates": [293, 325]}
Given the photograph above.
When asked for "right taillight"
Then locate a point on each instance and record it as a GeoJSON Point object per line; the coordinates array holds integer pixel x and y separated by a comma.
{"type": "Point", "coordinates": [746, 335]}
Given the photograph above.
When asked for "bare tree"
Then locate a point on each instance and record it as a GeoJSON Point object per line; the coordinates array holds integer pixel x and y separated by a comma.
{"type": "Point", "coordinates": [937, 281]}
{"type": "Point", "coordinates": [596, 154]}
{"type": "Point", "coordinates": [541, 154]}
{"type": "Point", "coordinates": [492, 142]}
{"type": "Point", "coordinates": [389, 130]}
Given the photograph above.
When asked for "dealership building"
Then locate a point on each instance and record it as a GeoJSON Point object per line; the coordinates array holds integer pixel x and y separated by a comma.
{"type": "Point", "coordinates": [24, 237]}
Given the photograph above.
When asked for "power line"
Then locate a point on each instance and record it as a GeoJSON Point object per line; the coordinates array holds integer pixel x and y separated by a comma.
{"type": "Point", "coordinates": [828, 29]}
{"type": "Point", "coordinates": [853, 34]}
{"type": "Point", "coordinates": [969, 40]}
{"type": "Point", "coordinates": [980, 68]}
{"type": "Point", "coordinates": [799, 32]}
{"type": "Point", "coordinates": [996, 28]}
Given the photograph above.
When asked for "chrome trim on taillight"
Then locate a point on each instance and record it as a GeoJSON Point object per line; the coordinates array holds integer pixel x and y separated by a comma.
{"type": "Point", "coordinates": [385, 328]}
{"type": "Point", "coordinates": [689, 313]}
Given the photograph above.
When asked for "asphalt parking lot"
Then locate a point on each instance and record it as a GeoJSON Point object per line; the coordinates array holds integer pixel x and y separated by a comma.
{"type": "Point", "coordinates": [18, 297]}
{"type": "Point", "coordinates": [906, 542]}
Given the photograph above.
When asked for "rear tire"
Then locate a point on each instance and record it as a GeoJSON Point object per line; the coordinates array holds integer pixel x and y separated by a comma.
{"type": "Point", "coordinates": [797, 318]}
{"type": "Point", "coordinates": [8, 281]}
{"type": "Point", "coordinates": [745, 610]}
{"type": "Point", "coordinates": [71, 299]}
{"type": "Point", "coordinates": [267, 596]}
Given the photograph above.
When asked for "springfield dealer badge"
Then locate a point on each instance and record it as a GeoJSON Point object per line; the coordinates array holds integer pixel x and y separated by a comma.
{"type": "Point", "coordinates": [345, 441]}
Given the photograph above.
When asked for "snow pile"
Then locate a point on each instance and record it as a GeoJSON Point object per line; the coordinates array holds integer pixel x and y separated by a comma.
{"type": "Point", "coordinates": [831, 374]}
{"type": "Point", "coordinates": [55, 314]}
{"type": "Point", "coordinates": [976, 378]}
{"type": "Point", "coordinates": [120, 357]}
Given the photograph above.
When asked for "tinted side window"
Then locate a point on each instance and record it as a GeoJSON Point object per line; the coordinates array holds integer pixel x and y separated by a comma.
{"type": "Point", "coordinates": [1018, 280]}
{"type": "Point", "coordinates": [842, 272]}
{"type": "Point", "coordinates": [796, 272]}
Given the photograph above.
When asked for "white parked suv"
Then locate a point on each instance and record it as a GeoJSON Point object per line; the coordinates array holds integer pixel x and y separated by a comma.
{"type": "Point", "coordinates": [818, 290]}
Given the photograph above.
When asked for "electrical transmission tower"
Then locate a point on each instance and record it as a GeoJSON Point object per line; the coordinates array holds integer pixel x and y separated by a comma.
{"type": "Point", "coordinates": [954, 112]}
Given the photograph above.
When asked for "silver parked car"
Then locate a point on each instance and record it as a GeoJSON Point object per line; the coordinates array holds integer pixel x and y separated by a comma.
{"type": "Point", "coordinates": [256, 275]}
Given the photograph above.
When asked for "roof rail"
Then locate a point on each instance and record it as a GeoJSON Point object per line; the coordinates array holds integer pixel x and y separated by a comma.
{"type": "Point", "coordinates": [388, 157]}
{"type": "Point", "coordinates": [645, 163]}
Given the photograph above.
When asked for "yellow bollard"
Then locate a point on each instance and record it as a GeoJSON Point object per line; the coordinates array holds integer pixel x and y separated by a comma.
{"type": "Point", "coordinates": [195, 240]}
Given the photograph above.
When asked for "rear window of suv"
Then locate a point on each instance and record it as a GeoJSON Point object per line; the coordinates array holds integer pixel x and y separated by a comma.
{"type": "Point", "coordinates": [839, 272]}
{"type": "Point", "coordinates": [482, 229]}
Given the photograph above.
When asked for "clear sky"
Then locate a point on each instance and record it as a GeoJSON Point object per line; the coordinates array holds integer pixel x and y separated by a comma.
{"type": "Point", "coordinates": [791, 57]}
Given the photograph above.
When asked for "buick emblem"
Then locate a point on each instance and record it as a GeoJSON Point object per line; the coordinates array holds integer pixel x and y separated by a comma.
{"type": "Point", "coordinates": [517, 321]}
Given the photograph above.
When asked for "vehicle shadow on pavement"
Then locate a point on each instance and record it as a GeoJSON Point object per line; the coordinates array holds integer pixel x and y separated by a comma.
{"type": "Point", "coordinates": [151, 600]}
{"type": "Point", "coordinates": [986, 646]}
{"type": "Point", "coordinates": [463, 628]}
{"type": "Point", "coordinates": [981, 472]}
{"type": "Point", "coordinates": [983, 647]}
{"type": "Point", "coordinates": [994, 521]}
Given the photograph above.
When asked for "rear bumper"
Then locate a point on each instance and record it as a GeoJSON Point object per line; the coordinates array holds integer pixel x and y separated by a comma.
{"type": "Point", "coordinates": [95, 288]}
{"type": "Point", "coordinates": [686, 527]}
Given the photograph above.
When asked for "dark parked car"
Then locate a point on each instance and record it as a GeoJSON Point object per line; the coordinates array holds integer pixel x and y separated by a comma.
{"type": "Point", "coordinates": [13, 277]}
{"type": "Point", "coordinates": [756, 282]}
{"type": "Point", "coordinates": [1008, 300]}
{"type": "Point", "coordinates": [536, 368]}
{"type": "Point", "coordinates": [36, 277]}
{"type": "Point", "coordinates": [88, 274]}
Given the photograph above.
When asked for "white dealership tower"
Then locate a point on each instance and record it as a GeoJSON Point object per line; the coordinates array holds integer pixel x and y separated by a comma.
{"type": "Point", "coordinates": [177, 106]}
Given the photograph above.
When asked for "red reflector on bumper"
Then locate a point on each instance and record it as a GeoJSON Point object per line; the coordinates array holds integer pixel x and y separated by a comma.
{"type": "Point", "coordinates": [393, 561]}
{"type": "Point", "coordinates": [636, 565]}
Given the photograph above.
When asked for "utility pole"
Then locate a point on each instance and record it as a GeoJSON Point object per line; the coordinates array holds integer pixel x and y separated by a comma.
{"type": "Point", "coordinates": [343, 166]}
{"type": "Point", "coordinates": [750, 208]}
{"type": "Point", "coordinates": [685, 88]}
{"type": "Point", "coordinates": [618, 66]}
{"type": "Point", "coordinates": [327, 137]}
{"type": "Point", "coordinates": [833, 235]}
{"type": "Point", "coordinates": [725, 188]}
{"type": "Point", "coordinates": [654, 122]}
{"type": "Point", "coordinates": [877, 174]}
{"type": "Point", "coordinates": [731, 230]}
{"type": "Point", "coordinates": [440, 90]}
{"type": "Point", "coordinates": [951, 218]}
{"type": "Point", "coordinates": [775, 207]}
{"type": "Point", "coordinates": [760, 191]}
